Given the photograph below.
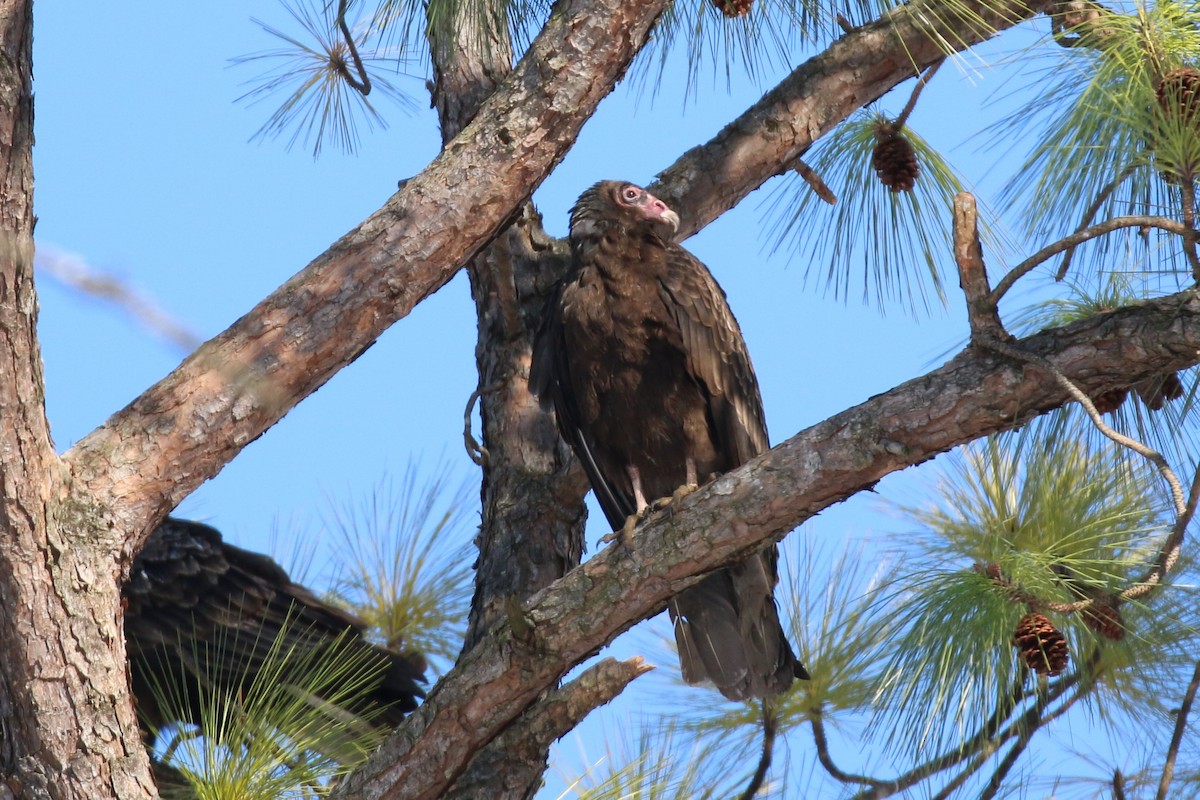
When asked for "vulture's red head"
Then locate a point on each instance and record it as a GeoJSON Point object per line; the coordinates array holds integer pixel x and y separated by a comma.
{"type": "Point", "coordinates": [622, 205]}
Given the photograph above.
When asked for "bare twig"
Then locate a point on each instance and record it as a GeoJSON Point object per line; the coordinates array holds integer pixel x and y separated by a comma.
{"type": "Point", "coordinates": [958, 780]}
{"type": "Point", "coordinates": [1027, 726]}
{"type": "Point", "coordinates": [475, 451]}
{"type": "Point", "coordinates": [814, 181]}
{"type": "Point", "coordinates": [1086, 234]}
{"type": "Point", "coordinates": [1168, 554]}
{"type": "Point", "coordinates": [770, 717]}
{"type": "Point", "coordinates": [1177, 737]}
{"type": "Point", "coordinates": [972, 273]}
{"type": "Point", "coordinates": [1090, 214]}
{"type": "Point", "coordinates": [922, 81]}
{"type": "Point", "coordinates": [75, 273]}
{"type": "Point", "coordinates": [1118, 784]}
{"type": "Point", "coordinates": [822, 743]}
{"type": "Point", "coordinates": [846, 25]}
{"type": "Point", "coordinates": [1187, 193]}
{"type": "Point", "coordinates": [1023, 729]}
{"type": "Point", "coordinates": [362, 83]}
{"type": "Point", "coordinates": [976, 749]}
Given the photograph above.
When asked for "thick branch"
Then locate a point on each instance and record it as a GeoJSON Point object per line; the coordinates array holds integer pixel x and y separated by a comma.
{"type": "Point", "coordinates": [555, 714]}
{"type": "Point", "coordinates": [973, 395]}
{"type": "Point", "coordinates": [855, 70]}
{"type": "Point", "coordinates": [183, 430]}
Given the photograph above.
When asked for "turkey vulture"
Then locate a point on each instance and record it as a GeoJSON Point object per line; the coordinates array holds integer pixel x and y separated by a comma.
{"type": "Point", "coordinates": [200, 608]}
{"type": "Point", "coordinates": [652, 386]}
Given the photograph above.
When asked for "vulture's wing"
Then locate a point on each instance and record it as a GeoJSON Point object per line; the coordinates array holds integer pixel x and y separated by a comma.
{"type": "Point", "coordinates": [550, 381]}
{"type": "Point", "coordinates": [717, 357]}
{"type": "Point", "coordinates": [200, 610]}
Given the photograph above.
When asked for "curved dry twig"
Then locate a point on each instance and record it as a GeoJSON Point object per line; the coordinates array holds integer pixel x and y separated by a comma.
{"type": "Point", "coordinates": [1184, 508]}
{"type": "Point", "coordinates": [1086, 234]}
{"type": "Point", "coordinates": [362, 83]}
{"type": "Point", "coordinates": [1090, 214]}
{"type": "Point", "coordinates": [475, 451]}
{"type": "Point", "coordinates": [1147, 452]}
{"type": "Point", "coordinates": [1168, 554]}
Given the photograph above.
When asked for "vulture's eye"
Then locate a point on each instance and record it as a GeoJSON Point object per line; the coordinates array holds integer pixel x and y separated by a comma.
{"type": "Point", "coordinates": [629, 194]}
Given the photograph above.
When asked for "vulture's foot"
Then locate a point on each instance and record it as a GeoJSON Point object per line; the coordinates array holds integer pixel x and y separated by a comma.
{"type": "Point", "coordinates": [680, 493]}
{"type": "Point", "coordinates": [683, 491]}
{"type": "Point", "coordinates": [631, 522]}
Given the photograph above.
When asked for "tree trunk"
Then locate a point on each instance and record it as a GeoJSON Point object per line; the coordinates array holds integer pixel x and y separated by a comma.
{"type": "Point", "coordinates": [531, 529]}
{"type": "Point", "coordinates": [67, 725]}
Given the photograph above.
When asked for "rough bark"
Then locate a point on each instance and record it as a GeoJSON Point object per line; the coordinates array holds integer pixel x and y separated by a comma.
{"type": "Point", "coordinates": [857, 69]}
{"type": "Point", "coordinates": [528, 506]}
{"type": "Point", "coordinates": [975, 394]}
{"type": "Point", "coordinates": [67, 728]}
{"type": "Point", "coordinates": [555, 714]}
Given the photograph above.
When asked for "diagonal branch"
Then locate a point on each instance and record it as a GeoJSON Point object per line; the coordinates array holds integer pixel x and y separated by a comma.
{"type": "Point", "coordinates": [973, 395]}
{"type": "Point", "coordinates": [243, 381]}
{"type": "Point", "coordinates": [855, 70]}
{"type": "Point", "coordinates": [556, 713]}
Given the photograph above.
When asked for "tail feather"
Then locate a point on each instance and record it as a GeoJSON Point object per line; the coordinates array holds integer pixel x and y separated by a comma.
{"type": "Point", "coordinates": [728, 632]}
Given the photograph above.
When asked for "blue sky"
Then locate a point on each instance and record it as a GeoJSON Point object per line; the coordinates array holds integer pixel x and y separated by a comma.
{"type": "Point", "coordinates": [144, 168]}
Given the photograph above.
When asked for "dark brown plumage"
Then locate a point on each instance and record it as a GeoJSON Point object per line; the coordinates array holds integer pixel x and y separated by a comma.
{"type": "Point", "coordinates": [650, 380]}
{"type": "Point", "coordinates": [198, 607]}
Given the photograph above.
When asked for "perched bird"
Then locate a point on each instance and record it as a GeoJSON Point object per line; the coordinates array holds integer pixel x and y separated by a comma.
{"type": "Point", "coordinates": [203, 612]}
{"type": "Point", "coordinates": [652, 386]}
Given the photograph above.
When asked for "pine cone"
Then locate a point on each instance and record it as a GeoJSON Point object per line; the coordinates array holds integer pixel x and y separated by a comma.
{"type": "Point", "coordinates": [1043, 648]}
{"type": "Point", "coordinates": [1105, 619]}
{"type": "Point", "coordinates": [1156, 391]}
{"type": "Point", "coordinates": [894, 159]}
{"type": "Point", "coordinates": [1179, 97]}
{"type": "Point", "coordinates": [1179, 92]}
{"type": "Point", "coordinates": [733, 8]}
{"type": "Point", "coordinates": [1110, 401]}
{"type": "Point", "coordinates": [992, 570]}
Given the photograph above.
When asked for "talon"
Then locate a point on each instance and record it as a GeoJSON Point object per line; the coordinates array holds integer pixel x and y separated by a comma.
{"type": "Point", "coordinates": [682, 492]}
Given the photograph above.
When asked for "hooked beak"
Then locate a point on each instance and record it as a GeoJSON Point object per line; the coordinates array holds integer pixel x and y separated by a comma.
{"type": "Point", "coordinates": [657, 209]}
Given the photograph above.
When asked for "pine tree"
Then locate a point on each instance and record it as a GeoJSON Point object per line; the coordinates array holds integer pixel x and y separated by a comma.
{"type": "Point", "coordinates": [1046, 581]}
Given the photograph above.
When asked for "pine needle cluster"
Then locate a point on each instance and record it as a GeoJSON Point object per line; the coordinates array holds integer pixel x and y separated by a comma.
{"type": "Point", "coordinates": [1025, 522]}
{"type": "Point", "coordinates": [887, 247]}
{"type": "Point", "coordinates": [278, 734]}
{"type": "Point", "coordinates": [1102, 133]}
{"type": "Point", "coordinates": [404, 563]}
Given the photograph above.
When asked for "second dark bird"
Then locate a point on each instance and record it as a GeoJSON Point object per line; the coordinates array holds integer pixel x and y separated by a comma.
{"type": "Point", "coordinates": [653, 388]}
